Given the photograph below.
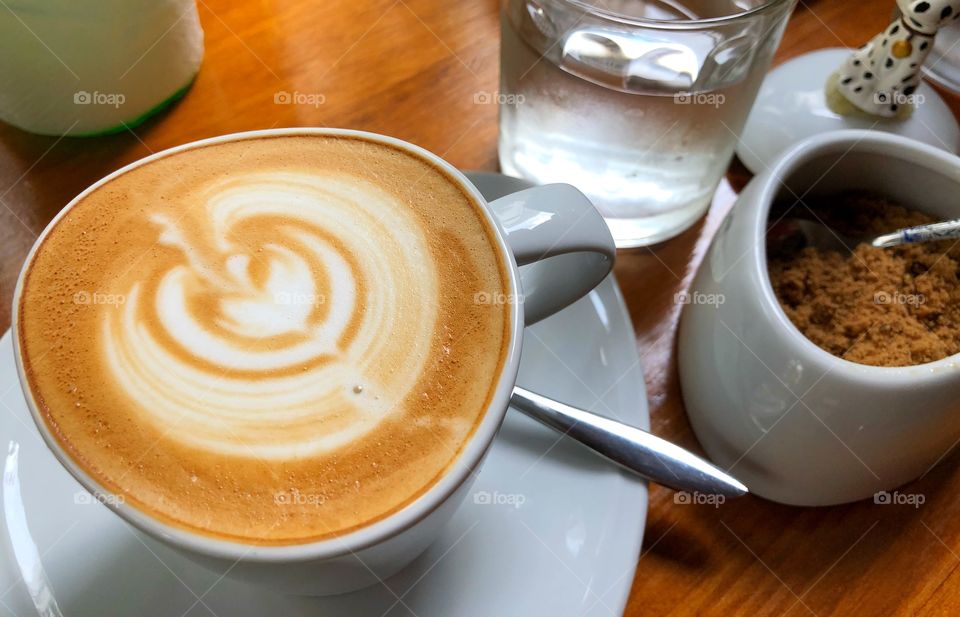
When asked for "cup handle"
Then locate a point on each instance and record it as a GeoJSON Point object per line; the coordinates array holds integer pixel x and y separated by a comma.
{"type": "Point", "coordinates": [555, 221]}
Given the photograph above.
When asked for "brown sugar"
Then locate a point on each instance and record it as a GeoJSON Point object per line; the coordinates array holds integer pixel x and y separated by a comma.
{"type": "Point", "coordinates": [884, 307]}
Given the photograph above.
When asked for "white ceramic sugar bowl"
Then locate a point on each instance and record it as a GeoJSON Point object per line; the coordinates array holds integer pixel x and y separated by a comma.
{"type": "Point", "coordinates": [793, 422]}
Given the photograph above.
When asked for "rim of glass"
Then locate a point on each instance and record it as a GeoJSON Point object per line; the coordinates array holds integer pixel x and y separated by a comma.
{"type": "Point", "coordinates": [670, 24]}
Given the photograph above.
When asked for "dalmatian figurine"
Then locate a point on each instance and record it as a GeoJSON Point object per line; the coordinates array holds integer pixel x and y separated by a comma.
{"type": "Point", "coordinates": [880, 77]}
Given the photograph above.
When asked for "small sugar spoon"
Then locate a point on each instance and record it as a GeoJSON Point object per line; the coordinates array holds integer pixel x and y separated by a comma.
{"type": "Point", "coordinates": [634, 449]}
{"type": "Point", "coordinates": [793, 234]}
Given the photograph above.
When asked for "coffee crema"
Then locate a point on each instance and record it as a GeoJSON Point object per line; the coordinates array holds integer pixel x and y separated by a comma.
{"type": "Point", "coordinates": [271, 340]}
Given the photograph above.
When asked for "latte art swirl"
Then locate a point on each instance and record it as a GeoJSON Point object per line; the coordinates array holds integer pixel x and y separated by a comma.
{"type": "Point", "coordinates": [225, 326]}
{"type": "Point", "coordinates": [292, 324]}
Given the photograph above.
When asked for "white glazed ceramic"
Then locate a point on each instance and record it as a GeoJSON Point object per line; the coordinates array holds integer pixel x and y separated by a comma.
{"type": "Point", "coordinates": [575, 538]}
{"type": "Point", "coordinates": [541, 222]}
{"type": "Point", "coordinates": [943, 65]}
{"type": "Point", "coordinates": [792, 105]}
{"type": "Point", "coordinates": [791, 421]}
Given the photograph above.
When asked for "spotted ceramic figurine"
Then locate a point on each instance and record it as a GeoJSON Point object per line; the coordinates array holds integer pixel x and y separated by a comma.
{"type": "Point", "coordinates": [880, 77]}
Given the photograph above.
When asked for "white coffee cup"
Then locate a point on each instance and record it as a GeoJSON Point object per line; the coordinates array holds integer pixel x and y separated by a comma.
{"type": "Point", "coordinates": [554, 221]}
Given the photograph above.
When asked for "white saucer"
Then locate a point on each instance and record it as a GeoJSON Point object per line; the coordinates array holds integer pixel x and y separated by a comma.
{"type": "Point", "coordinates": [943, 65]}
{"type": "Point", "coordinates": [570, 547]}
{"type": "Point", "coordinates": [792, 106]}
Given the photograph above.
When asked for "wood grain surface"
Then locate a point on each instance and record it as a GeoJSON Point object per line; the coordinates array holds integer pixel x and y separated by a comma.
{"type": "Point", "coordinates": [412, 69]}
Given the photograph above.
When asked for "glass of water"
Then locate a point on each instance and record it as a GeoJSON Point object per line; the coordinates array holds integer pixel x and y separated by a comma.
{"type": "Point", "coordinates": [638, 103]}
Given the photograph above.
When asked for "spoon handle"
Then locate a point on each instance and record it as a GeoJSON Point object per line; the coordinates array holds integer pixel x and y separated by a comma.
{"type": "Point", "coordinates": [922, 233]}
{"type": "Point", "coordinates": [634, 449]}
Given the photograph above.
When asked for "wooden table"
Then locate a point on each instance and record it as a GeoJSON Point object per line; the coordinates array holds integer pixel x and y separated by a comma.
{"type": "Point", "coordinates": [411, 68]}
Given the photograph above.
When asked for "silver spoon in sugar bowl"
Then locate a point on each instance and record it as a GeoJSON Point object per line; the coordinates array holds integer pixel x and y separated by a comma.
{"type": "Point", "coordinates": [792, 234]}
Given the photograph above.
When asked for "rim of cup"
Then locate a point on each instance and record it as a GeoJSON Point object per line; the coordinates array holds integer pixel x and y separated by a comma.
{"type": "Point", "coordinates": [673, 24]}
{"type": "Point", "coordinates": [460, 471]}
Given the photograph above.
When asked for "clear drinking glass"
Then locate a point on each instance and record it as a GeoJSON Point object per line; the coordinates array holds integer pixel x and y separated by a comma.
{"type": "Point", "coordinates": [637, 103]}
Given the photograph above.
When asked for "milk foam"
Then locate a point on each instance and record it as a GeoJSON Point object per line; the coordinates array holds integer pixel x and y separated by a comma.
{"type": "Point", "coordinates": [230, 325]}
{"type": "Point", "coordinates": [338, 255]}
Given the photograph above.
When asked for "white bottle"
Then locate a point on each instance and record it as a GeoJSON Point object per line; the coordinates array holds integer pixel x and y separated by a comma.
{"type": "Point", "coordinates": [90, 67]}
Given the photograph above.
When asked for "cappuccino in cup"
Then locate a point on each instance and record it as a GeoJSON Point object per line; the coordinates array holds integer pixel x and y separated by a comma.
{"type": "Point", "coordinates": [272, 340]}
